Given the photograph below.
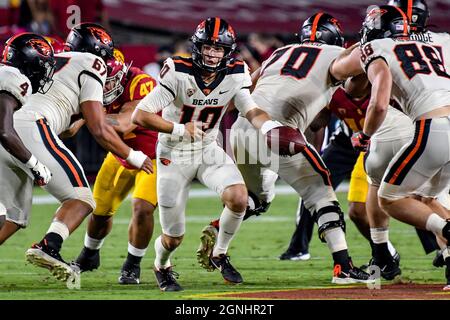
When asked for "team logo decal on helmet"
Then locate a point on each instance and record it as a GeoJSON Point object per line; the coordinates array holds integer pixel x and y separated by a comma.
{"type": "Point", "coordinates": [100, 35]}
{"type": "Point", "coordinates": [42, 47]}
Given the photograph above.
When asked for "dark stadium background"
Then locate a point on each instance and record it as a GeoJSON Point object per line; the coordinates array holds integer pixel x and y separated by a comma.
{"type": "Point", "coordinates": [148, 30]}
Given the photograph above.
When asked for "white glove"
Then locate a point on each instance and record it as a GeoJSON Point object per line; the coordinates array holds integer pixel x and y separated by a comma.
{"type": "Point", "coordinates": [136, 158]}
{"type": "Point", "coordinates": [41, 173]}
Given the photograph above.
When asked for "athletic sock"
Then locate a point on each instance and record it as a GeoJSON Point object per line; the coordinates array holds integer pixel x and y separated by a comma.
{"type": "Point", "coordinates": [230, 222]}
{"type": "Point", "coordinates": [162, 258]}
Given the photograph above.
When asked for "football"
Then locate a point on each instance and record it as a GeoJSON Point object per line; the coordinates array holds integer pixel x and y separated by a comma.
{"type": "Point", "coordinates": [286, 141]}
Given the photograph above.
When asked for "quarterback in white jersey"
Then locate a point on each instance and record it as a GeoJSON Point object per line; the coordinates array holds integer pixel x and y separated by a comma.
{"type": "Point", "coordinates": [26, 67]}
{"type": "Point", "coordinates": [414, 73]}
{"type": "Point", "coordinates": [77, 91]}
{"type": "Point", "coordinates": [193, 95]}
{"type": "Point", "coordinates": [293, 86]}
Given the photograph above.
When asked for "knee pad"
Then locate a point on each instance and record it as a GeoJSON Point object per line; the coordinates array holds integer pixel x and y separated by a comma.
{"type": "Point", "coordinates": [328, 214]}
{"type": "Point", "coordinates": [85, 195]}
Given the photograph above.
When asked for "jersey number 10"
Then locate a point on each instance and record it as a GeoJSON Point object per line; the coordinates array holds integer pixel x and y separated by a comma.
{"type": "Point", "coordinates": [299, 62]}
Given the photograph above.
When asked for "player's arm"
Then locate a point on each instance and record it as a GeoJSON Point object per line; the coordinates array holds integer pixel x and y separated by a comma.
{"type": "Point", "coordinates": [73, 129]}
{"type": "Point", "coordinates": [121, 122]}
{"type": "Point", "coordinates": [8, 136]}
{"type": "Point", "coordinates": [321, 120]}
{"type": "Point", "coordinates": [12, 143]}
{"type": "Point", "coordinates": [255, 76]}
{"type": "Point", "coordinates": [380, 77]}
{"type": "Point", "coordinates": [358, 86]}
{"type": "Point", "coordinates": [346, 65]}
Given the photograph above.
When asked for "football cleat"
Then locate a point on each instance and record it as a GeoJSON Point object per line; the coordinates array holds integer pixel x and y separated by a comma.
{"type": "Point", "coordinates": [301, 256]}
{"type": "Point", "coordinates": [45, 257]}
{"type": "Point", "coordinates": [88, 260]}
{"type": "Point", "coordinates": [166, 279]}
{"type": "Point", "coordinates": [229, 273]}
{"type": "Point", "coordinates": [353, 275]}
{"type": "Point", "coordinates": [207, 243]}
{"type": "Point", "coordinates": [130, 275]}
{"type": "Point", "coordinates": [438, 260]}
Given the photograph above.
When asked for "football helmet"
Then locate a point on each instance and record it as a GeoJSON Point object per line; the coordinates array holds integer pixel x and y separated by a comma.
{"type": "Point", "coordinates": [116, 78]}
{"type": "Point", "coordinates": [92, 38]}
{"type": "Point", "coordinates": [214, 32]}
{"type": "Point", "coordinates": [57, 45]}
{"type": "Point", "coordinates": [416, 11]}
{"type": "Point", "coordinates": [33, 56]}
{"type": "Point", "coordinates": [322, 27]}
{"type": "Point", "coordinates": [384, 22]}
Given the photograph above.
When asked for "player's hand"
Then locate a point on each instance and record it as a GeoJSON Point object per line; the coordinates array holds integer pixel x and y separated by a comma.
{"type": "Point", "coordinates": [41, 173]}
{"type": "Point", "coordinates": [194, 131]}
{"type": "Point", "coordinates": [139, 160]}
{"type": "Point", "coordinates": [360, 141]}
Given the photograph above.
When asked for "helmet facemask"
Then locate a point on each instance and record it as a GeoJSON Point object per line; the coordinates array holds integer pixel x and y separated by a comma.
{"type": "Point", "coordinates": [198, 55]}
{"type": "Point", "coordinates": [114, 84]}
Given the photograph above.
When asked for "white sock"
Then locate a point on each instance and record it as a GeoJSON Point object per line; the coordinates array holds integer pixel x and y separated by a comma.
{"type": "Point", "coordinates": [435, 224]}
{"type": "Point", "coordinates": [135, 251]}
{"type": "Point", "coordinates": [229, 222]}
{"type": "Point", "coordinates": [60, 228]}
{"type": "Point", "coordinates": [335, 240]}
{"type": "Point", "coordinates": [91, 243]}
{"type": "Point", "coordinates": [379, 235]}
{"type": "Point", "coordinates": [162, 259]}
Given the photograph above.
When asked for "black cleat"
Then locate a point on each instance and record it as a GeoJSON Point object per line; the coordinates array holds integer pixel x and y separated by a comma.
{"type": "Point", "coordinates": [166, 279]}
{"type": "Point", "coordinates": [447, 274]}
{"type": "Point", "coordinates": [301, 256]}
{"type": "Point", "coordinates": [229, 273]}
{"type": "Point", "coordinates": [44, 256]}
{"type": "Point", "coordinates": [130, 274]}
{"type": "Point", "coordinates": [88, 260]}
{"type": "Point", "coordinates": [353, 275]}
{"type": "Point", "coordinates": [388, 270]}
{"type": "Point", "coordinates": [438, 260]}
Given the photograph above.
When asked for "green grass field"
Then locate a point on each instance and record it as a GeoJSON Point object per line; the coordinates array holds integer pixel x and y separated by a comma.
{"type": "Point", "coordinates": [254, 253]}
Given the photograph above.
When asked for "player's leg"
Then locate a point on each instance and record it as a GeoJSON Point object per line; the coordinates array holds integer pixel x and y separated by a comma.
{"type": "Point", "coordinates": [174, 178]}
{"type": "Point", "coordinates": [309, 176]}
{"type": "Point", "coordinates": [16, 189]}
{"type": "Point", "coordinates": [111, 186]}
{"type": "Point", "coordinates": [426, 158]}
{"type": "Point", "coordinates": [140, 230]}
{"type": "Point", "coordinates": [219, 173]}
{"type": "Point", "coordinates": [68, 185]}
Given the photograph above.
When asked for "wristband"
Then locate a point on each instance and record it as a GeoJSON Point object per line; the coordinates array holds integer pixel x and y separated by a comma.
{"type": "Point", "coordinates": [178, 129]}
{"type": "Point", "coordinates": [269, 125]}
{"type": "Point", "coordinates": [136, 158]}
{"type": "Point", "coordinates": [32, 162]}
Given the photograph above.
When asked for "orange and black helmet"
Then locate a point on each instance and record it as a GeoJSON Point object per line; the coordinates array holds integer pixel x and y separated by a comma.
{"type": "Point", "coordinates": [213, 31]}
{"type": "Point", "coordinates": [416, 11]}
{"type": "Point", "coordinates": [322, 27]}
{"type": "Point", "coordinates": [92, 38]}
{"type": "Point", "coordinates": [34, 57]}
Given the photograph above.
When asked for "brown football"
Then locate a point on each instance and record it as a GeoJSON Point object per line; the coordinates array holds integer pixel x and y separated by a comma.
{"type": "Point", "coordinates": [286, 141]}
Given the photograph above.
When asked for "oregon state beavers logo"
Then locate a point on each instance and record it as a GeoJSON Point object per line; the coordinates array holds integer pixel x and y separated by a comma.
{"type": "Point", "coordinates": [100, 35]}
{"type": "Point", "coordinates": [231, 31]}
{"type": "Point", "coordinates": [337, 24]}
{"type": "Point", "coordinates": [42, 47]}
{"type": "Point", "coordinates": [165, 161]}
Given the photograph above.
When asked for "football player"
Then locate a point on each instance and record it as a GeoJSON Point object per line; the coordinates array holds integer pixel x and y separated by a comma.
{"type": "Point", "coordinates": [193, 94]}
{"type": "Point", "coordinates": [77, 90]}
{"type": "Point", "coordinates": [293, 86]}
{"type": "Point", "coordinates": [414, 73]}
{"type": "Point", "coordinates": [125, 86]}
{"type": "Point", "coordinates": [26, 67]}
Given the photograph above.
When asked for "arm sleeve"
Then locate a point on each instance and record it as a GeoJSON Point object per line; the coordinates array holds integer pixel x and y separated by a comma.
{"type": "Point", "coordinates": [91, 89]}
{"type": "Point", "coordinates": [372, 51]}
{"type": "Point", "coordinates": [244, 101]}
{"type": "Point", "coordinates": [165, 93]}
{"type": "Point", "coordinates": [15, 83]}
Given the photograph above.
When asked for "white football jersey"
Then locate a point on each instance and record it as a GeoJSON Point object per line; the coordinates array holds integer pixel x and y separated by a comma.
{"type": "Point", "coordinates": [79, 77]}
{"type": "Point", "coordinates": [294, 85]}
{"type": "Point", "coordinates": [183, 97]}
{"type": "Point", "coordinates": [440, 41]}
{"type": "Point", "coordinates": [15, 83]}
{"type": "Point", "coordinates": [420, 80]}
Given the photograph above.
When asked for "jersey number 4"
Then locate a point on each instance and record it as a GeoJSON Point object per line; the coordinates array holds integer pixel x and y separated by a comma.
{"type": "Point", "coordinates": [208, 116]}
{"type": "Point", "coordinates": [413, 60]}
{"type": "Point", "coordinates": [299, 63]}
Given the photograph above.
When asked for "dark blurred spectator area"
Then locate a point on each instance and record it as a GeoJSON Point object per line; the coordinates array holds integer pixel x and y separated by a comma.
{"type": "Point", "coordinates": [149, 31]}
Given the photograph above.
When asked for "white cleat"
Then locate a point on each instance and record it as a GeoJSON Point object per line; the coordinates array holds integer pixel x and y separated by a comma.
{"type": "Point", "coordinates": [58, 268]}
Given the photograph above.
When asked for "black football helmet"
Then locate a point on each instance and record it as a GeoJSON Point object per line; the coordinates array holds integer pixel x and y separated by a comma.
{"type": "Point", "coordinates": [322, 27]}
{"type": "Point", "coordinates": [416, 11]}
{"type": "Point", "coordinates": [92, 38]}
{"type": "Point", "coordinates": [384, 22]}
{"type": "Point", "coordinates": [34, 57]}
{"type": "Point", "coordinates": [217, 32]}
